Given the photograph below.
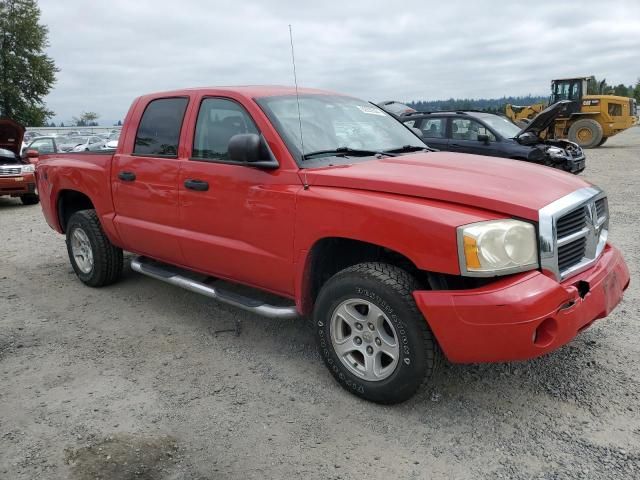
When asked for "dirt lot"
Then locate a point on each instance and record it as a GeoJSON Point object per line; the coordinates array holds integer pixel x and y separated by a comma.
{"type": "Point", "coordinates": [145, 381]}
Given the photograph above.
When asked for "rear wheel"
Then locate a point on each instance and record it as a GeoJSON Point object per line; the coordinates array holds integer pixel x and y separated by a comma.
{"type": "Point", "coordinates": [371, 335]}
{"type": "Point", "coordinates": [96, 261]}
{"type": "Point", "coordinates": [29, 198]}
{"type": "Point", "coordinates": [586, 132]}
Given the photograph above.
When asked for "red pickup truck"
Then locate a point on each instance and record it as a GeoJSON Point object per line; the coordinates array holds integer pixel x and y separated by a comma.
{"type": "Point", "coordinates": [323, 206]}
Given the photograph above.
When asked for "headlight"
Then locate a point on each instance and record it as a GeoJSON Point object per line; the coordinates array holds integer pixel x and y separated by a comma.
{"type": "Point", "coordinates": [497, 247]}
{"type": "Point", "coordinates": [28, 168]}
{"type": "Point", "coordinates": [555, 152]}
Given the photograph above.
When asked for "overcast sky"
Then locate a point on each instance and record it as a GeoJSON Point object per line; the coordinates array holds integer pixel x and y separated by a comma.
{"type": "Point", "coordinates": [109, 52]}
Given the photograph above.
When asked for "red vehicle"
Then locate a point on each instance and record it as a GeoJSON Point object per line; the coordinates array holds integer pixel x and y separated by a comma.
{"type": "Point", "coordinates": [324, 206]}
{"type": "Point", "coordinates": [16, 177]}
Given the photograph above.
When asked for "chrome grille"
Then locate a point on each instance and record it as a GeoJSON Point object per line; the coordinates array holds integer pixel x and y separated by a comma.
{"type": "Point", "coordinates": [7, 171]}
{"type": "Point", "coordinates": [573, 231]}
{"type": "Point", "coordinates": [571, 223]}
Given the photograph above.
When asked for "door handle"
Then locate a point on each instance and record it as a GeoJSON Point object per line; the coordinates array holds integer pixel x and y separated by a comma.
{"type": "Point", "coordinates": [126, 176]}
{"type": "Point", "coordinates": [454, 145]}
{"type": "Point", "coordinates": [198, 185]}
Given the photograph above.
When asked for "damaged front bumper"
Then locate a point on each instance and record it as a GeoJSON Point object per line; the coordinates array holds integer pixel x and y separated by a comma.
{"type": "Point", "coordinates": [523, 316]}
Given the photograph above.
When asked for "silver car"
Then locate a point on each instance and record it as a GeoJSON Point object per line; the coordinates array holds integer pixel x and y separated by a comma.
{"type": "Point", "coordinates": [81, 144]}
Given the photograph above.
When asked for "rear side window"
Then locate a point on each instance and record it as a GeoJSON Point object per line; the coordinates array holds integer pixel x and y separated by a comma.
{"type": "Point", "coordinates": [159, 129]}
{"type": "Point", "coordinates": [219, 120]}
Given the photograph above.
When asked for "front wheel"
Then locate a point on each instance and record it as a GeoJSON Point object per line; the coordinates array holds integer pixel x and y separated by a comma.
{"type": "Point", "coordinates": [96, 261]}
{"type": "Point", "coordinates": [371, 335]}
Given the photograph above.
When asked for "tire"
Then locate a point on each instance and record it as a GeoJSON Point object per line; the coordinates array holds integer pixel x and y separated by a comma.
{"type": "Point", "coordinates": [96, 261]}
{"type": "Point", "coordinates": [366, 290]}
{"type": "Point", "coordinates": [29, 199]}
{"type": "Point", "coordinates": [586, 132]}
{"type": "Point", "coordinates": [602, 142]}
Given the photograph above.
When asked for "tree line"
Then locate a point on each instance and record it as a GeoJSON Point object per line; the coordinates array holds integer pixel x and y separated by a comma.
{"type": "Point", "coordinates": [497, 105]}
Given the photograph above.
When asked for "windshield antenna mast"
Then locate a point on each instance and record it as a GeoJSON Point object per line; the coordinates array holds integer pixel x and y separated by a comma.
{"type": "Point", "coordinates": [295, 82]}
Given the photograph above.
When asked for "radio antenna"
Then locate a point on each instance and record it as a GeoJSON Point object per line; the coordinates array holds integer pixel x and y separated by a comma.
{"type": "Point", "coordinates": [295, 81]}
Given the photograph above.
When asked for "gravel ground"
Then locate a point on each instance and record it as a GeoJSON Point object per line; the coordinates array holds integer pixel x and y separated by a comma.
{"type": "Point", "coordinates": [142, 380]}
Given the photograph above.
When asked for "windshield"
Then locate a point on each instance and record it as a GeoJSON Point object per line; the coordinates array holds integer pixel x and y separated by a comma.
{"type": "Point", "coordinates": [76, 140]}
{"type": "Point", "coordinates": [500, 124]}
{"type": "Point", "coordinates": [7, 154]}
{"type": "Point", "coordinates": [332, 122]}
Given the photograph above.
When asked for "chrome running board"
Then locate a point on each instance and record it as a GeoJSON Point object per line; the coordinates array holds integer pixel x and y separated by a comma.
{"type": "Point", "coordinates": [178, 277]}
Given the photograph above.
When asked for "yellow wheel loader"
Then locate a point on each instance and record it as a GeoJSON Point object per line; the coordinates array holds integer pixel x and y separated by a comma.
{"type": "Point", "coordinates": [589, 120]}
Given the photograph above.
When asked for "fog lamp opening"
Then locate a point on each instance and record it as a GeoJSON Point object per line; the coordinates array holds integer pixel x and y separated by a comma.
{"type": "Point", "coordinates": [545, 333]}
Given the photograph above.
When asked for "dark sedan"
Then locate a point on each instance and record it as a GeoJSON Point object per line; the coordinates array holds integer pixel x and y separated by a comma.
{"type": "Point", "coordinates": [484, 133]}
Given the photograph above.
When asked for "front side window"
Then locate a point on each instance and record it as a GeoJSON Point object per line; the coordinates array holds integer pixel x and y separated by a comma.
{"type": "Point", "coordinates": [432, 128]}
{"type": "Point", "coordinates": [324, 124]}
{"type": "Point", "coordinates": [42, 145]}
{"type": "Point", "coordinates": [465, 129]}
{"type": "Point", "coordinates": [498, 123]}
{"type": "Point", "coordinates": [159, 130]}
{"type": "Point", "coordinates": [219, 120]}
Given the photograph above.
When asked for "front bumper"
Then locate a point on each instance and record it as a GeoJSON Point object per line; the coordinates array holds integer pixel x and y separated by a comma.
{"type": "Point", "coordinates": [525, 315]}
{"type": "Point", "coordinates": [574, 164]}
{"type": "Point", "coordinates": [18, 185]}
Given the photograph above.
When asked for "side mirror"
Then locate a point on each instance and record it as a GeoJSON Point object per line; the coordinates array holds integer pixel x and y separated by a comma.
{"type": "Point", "coordinates": [245, 147]}
{"type": "Point", "coordinates": [417, 131]}
{"type": "Point", "coordinates": [483, 138]}
{"type": "Point", "coordinates": [250, 148]}
{"type": "Point", "coordinates": [33, 156]}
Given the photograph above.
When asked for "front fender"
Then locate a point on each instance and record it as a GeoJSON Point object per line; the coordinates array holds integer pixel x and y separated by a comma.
{"type": "Point", "coordinates": [422, 230]}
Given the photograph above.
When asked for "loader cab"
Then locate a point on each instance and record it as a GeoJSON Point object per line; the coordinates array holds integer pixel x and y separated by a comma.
{"type": "Point", "coordinates": [571, 89]}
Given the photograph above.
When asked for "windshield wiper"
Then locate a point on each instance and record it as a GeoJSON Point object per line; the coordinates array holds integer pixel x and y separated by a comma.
{"type": "Point", "coordinates": [344, 152]}
{"type": "Point", "coordinates": [407, 148]}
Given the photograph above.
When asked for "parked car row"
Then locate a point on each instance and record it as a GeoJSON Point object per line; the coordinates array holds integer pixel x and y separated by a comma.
{"type": "Point", "coordinates": [77, 141]}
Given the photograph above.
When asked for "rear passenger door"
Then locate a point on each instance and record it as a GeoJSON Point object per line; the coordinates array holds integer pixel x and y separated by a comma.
{"type": "Point", "coordinates": [145, 181]}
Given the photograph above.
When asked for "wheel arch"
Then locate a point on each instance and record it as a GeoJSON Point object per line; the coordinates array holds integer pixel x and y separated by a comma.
{"type": "Point", "coordinates": [329, 255]}
{"type": "Point", "coordinates": [68, 202]}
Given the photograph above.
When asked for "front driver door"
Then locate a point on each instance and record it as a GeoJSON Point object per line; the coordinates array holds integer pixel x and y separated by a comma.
{"type": "Point", "coordinates": [464, 138]}
{"type": "Point", "coordinates": [237, 219]}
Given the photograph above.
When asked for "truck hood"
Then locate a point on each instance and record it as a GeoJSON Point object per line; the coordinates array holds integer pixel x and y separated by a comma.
{"type": "Point", "coordinates": [544, 119]}
{"type": "Point", "coordinates": [511, 187]}
{"type": "Point", "coordinates": [11, 135]}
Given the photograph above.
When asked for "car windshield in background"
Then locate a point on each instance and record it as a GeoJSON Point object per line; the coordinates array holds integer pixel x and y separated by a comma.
{"type": "Point", "coordinates": [500, 124]}
{"type": "Point", "coordinates": [4, 154]}
{"type": "Point", "coordinates": [332, 125]}
{"type": "Point", "coordinates": [77, 140]}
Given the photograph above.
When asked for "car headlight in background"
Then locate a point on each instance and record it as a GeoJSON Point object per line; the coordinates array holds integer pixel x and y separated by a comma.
{"type": "Point", "coordinates": [555, 152]}
{"type": "Point", "coordinates": [497, 247]}
{"type": "Point", "coordinates": [28, 168]}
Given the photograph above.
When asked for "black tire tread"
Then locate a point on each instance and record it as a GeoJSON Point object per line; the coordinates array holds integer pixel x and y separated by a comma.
{"type": "Point", "coordinates": [597, 128]}
{"type": "Point", "coordinates": [105, 253]}
{"type": "Point", "coordinates": [403, 284]}
{"type": "Point", "coordinates": [29, 199]}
